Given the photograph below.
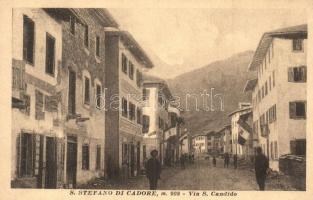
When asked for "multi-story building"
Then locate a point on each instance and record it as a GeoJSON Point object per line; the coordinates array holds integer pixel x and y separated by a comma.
{"type": "Point", "coordinates": [125, 60]}
{"type": "Point", "coordinates": [236, 130]}
{"type": "Point", "coordinates": [279, 92]}
{"type": "Point", "coordinates": [226, 140]}
{"type": "Point", "coordinates": [156, 96]}
{"type": "Point", "coordinates": [199, 143]}
{"type": "Point", "coordinates": [37, 55]}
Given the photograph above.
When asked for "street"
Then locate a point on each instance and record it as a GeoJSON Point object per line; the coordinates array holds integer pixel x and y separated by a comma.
{"type": "Point", "coordinates": [199, 176]}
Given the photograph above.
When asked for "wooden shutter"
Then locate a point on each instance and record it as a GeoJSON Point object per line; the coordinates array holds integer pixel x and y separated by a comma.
{"type": "Point", "coordinates": [60, 161]}
{"type": "Point", "coordinates": [37, 153]}
{"type": "Point", "coordinates": [18, 155]}
{"type": "Point", "coordinates": [290, 74]}
{"type": "Point", "coordinates": [304, 73]}
{"type": "Point", "coordinates": [292, 110]}
{"type": "Point", "coordinates": [39, 98]}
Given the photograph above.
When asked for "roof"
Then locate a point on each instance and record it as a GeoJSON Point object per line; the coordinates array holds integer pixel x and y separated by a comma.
{"type": "Point", "coordinates": [266, 40]}
{"type": "Point", "coordinates": [239, 110]}
{"type": "Point", "coordinates": [225, 127]}
{"type": "Point", "coordinates": [155, 81]}
{"type": "Point", "coordinates": [133, 46]}
{"type": "Point", "coordinates": [250, 84]}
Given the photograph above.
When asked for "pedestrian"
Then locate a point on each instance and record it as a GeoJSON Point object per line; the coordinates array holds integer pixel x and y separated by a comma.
{"type": "Point", "coordinates": [214, 161]}
{"type": "Point", "coordinates": [182, 161]}
{"type": "Point", "coordinates": [261, 167]}
{"type": "Point", "coordinates": [235, 161]}
{"type": "Point", "coordinates": [153, 169]}
{"type": "Point", "coordinates": [226, 160]}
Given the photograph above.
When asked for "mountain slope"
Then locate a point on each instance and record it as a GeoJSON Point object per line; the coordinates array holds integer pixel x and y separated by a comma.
{"type": "Point", "coordinates": [226, 78]}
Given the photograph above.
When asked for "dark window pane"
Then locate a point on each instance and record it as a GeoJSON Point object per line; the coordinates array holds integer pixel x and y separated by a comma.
{"type": "Point", "coordinates": [28, 39]}
{"type": "Point", "coordinates": [50, 54]}
{"type": "Point", "coordinates": [87, 90]}
{"type": "Point", "coordinates": [98, 46]}
{"type": "Point", "coordinates": [86, 37]}
{"type": "Point", "coordinates": [124, 64]}
{"type": "Point", "coordinates": [85, 157]}
{"type": "Point", "coordinates": [98, 97]}
{"type": "Point", "coordinates": [297, 44]}
{"type": "Point", "coordinates": [72, 93]}
{"type": "Point", "coordinates": [300, 109]}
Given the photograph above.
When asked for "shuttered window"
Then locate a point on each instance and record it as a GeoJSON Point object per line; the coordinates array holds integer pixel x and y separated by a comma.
{"type": "Point", "coordinates": [86, 36]}
{"type": "Point", "coordinates": [98, 46]}
{"type": "Point", "coordinates": [27, 158]}
{"type": "Point", "coordinates": [297, 110]}
{"type": "Point", "coordinates": [72, 93]}
{"type": "Point", "coordinates": [132, 110]}
{"type": "Point", "coordinates": [139, 116]}
{"type": "Point", "coordinates": [85, 157]}
{"type": "Point", "coordinates": [28, 39]}
{"type": "Point", "coordinates": [39, 98]}
{"type": "Point", "coordinates": [297, 44]}
{"type": "Point", "coordinates": [98, 97]}
{"type": "Point", "coordinates": [131, 70]}
{"type": "Point", "coordinates": [50, 54]}
{"type": "Point", "coordinates": [145, 123]}
{"type": "Point", "coordinates": [297, 74]}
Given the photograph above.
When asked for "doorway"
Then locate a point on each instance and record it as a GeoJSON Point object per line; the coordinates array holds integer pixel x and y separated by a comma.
{"type": "Point", "coordinates": [51, 170]}
{"type": "Point", "coordinates": [71, 161]}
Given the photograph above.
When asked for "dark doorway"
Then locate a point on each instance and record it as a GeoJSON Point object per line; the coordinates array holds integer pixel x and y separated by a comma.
{"type": "Point", "coordinates": [132, 160]}
{"type": "Point", "coordinates": [71, 161]}
{"type": "Point", "coordinates": [50, 181]}
{"type": "Point", "coordinates": [138, 158]}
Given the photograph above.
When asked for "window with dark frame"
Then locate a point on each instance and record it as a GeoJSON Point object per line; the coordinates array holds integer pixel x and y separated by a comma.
{"type": "Point", "coordinates": [86, 36]}
{"type": "Point", "coordinates": [72, 93]}
{"type": "Point", "coordinates": [28, 39]}
{"type": "Point", "coordinates": [297, 74]}
{"type": "Point", "coordinates": [72, 24]}
{"type": "Point", "coordinates": [85, 157]}
{"type": "Point", "coordinates": [297, 110]}
{"type": "Point", "coordinates": [39, 105]}
{"type": "Point", "coordinates": [139, 116]}
{"type": "Point", "coordinates": [132, 111]}
{"type": "Point", "coordinates": [124, 63]}
{"type": "Point", "coordinates": [87, 91]}
{"type": "Point", "coordinates": [145, 123]}
{"type": "Point", "coordinates": [98, 46]}
{"type": "Point", "coordinates": [138, 78]}
{"type": "Point", "coordinates": [131, 70]}
{"type": "Point", "coordinates": [26, 155]}
{"type": "Point", "coordinates": [98, 97]}
{"type": "Point", "coordinates": [297, 44]}
{"type": "Point", "coordinates": [50, 54]}
{"type": "Point", "coordinates": [124, 107]}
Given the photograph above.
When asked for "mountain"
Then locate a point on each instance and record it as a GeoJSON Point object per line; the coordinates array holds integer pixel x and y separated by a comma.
{"type": "Point", "coordinates": [225, 79]}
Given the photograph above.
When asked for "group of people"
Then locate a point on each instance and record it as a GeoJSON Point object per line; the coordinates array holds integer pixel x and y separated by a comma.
{"type": "Point", "coordinates": [261, 165]}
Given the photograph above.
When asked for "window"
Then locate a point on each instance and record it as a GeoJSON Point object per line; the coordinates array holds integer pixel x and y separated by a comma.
{"type": "Point", "coordinates": [270, 83]}
{"type": "Point", "coordinates": [72, 93]}
{"type": "Point", "coordinates": [98, 46]}
{"type": "Point", "coordinates": [87, 91]}
{"type": "Point", "coordinates": [297, 110]}
{"type": "Point", "coordinates": [298, 147]}
{"type": "Point", "coordinates": [98, 157]}
{"type": "Point", "coordinates": [297, 74]}
{"type": "Point", "coordinates": [131, 71]}
{"type": "Point", "coordinates": [98, 97]}
{"type": "Point", "coordinates": [124, 64]}
{"type": "Point", "coordinates": [26, 155]}
{"type": "Point", "coordinates": [139, 117]}
{"type": "Point", "coordinates": [265, 88]}
{"type": "Point", "coordinates": [28, 39]}
{"type": "Point", "coordinates": [145, 123]}
{"type": "Point", "coordinates": [124, 107]}
{"type": "Point", "coordinates": [26, 99]}
{"type": "Point", "coordinates": [50, 54]}
{"type": "Point", "coordinates": [39, 102]}
{"type": "Point", "coordinates": [72, 24]}
{"type": "Point", "coordinates": [146, 94]}
{"type": "Point", "coordinates": [272, 152]}
{"type": "Point", "coordinates": [275, 150]}
{"type": "Point", "coordinates": [86, 36]}
{"type": "Point", "coordinates": [297, 44]}
{"type": "Point", "coordinates": [263, 92]}
{"type": "Point", "coordinates": [85, 157]}
{"type": "Point", "coordinates": [138, 78]}
{"type": "Point", "coordinates": [132, 109]}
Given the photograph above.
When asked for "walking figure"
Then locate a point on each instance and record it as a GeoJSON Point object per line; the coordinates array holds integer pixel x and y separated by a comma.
{"type": "Point", "coordinates": [235, 161]}
{"type": "Point", "coordinates": [153, 169]}
{"type": "Point", "coordinates": [214, 161]}
{"type": "Point", "coordinates": [261, 167]}
{"type": "Point", "coordinates": [226, 160]}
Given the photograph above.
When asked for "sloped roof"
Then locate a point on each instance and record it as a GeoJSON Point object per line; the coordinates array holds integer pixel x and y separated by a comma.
{"type": "Point", "coordinates": [133, 46]}
{"type": "Point", "coordinates": [250, 84]}
{"type": "Point", "coordinates": [239, 110]}
{"type": "Point", "coordinates": [266, 40]}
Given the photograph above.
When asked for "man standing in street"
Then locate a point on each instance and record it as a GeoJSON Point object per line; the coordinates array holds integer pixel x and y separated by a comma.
{"type": "Point", "coordinates": [261, 167]}
{"type": "Point", "coordinates": [226, 160]}
{"type": "Point", "coordinates": [153, 169]}
{"type": "Point", "coordinates": [235, 161]}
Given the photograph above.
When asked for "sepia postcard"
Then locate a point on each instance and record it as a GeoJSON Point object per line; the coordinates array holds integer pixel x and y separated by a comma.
{"type": "Point", "coordinates": [156, 99]}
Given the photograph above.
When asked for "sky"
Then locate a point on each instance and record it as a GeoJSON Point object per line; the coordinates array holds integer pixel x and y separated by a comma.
{"type": "Point", "coordinates": [179, 40]}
